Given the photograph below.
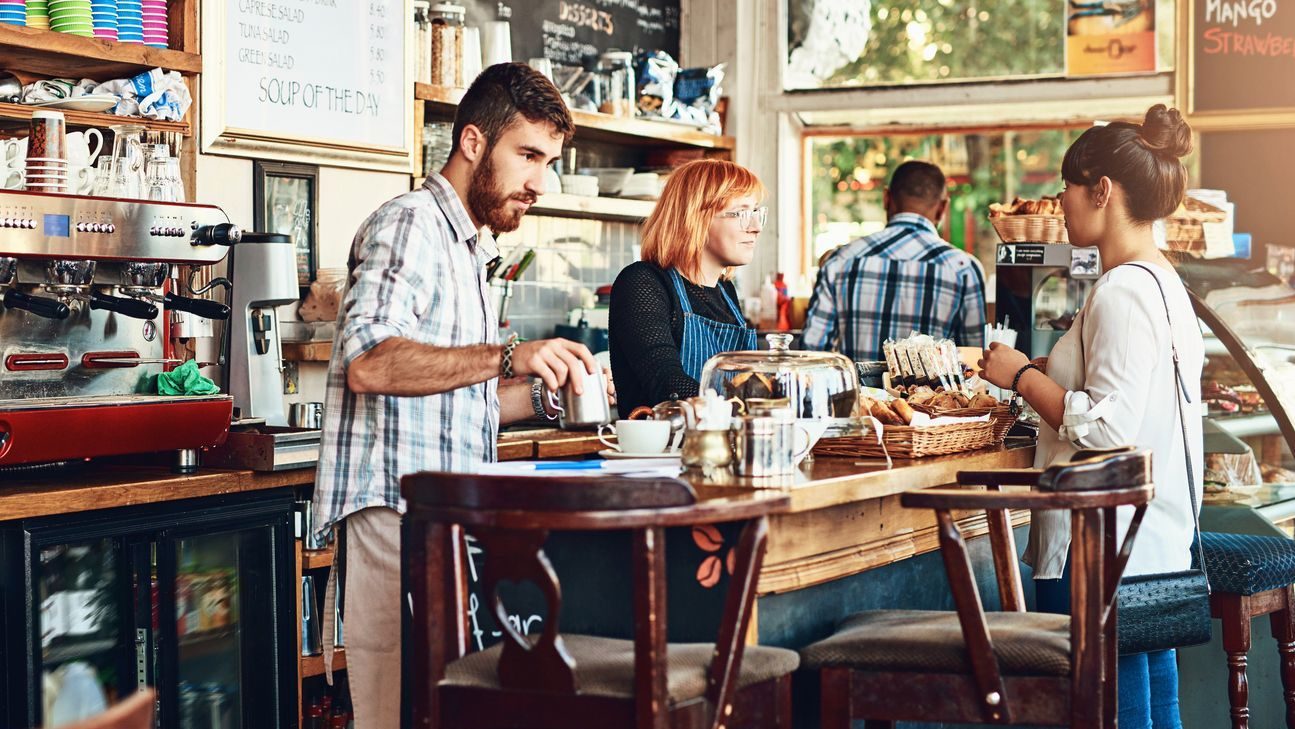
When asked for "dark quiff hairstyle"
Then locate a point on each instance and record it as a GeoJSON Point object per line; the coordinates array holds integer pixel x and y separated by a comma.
{"type": "Point", "coordinates": [1142, 158]}
{"type": "Point", "coordinates": [917, 181]}
{"type": "Point", "coordinates": [502, 92]}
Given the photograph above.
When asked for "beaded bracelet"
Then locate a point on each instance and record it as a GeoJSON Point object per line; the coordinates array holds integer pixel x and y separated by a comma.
{"type": "Point", "coordinates": [1016, 381]}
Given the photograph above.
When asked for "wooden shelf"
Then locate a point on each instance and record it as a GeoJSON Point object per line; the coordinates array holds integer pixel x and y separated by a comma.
{"type": "Point", "coordinates": [603, 208]}
{"type": "Point", "coordinates": [22, 113]}
{"type": "Point", "coordinates": [313, 559]}
{"type": "Point", "coordinates": [599, 127]}
{"type": "Point", "coordinates": [314, 665]}
{"type": "Point", "coordinates": [63, 55]}
{"type": "Point", "coordinates": [320, 351]}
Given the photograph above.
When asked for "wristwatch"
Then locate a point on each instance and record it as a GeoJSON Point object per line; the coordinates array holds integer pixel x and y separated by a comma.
{"type": "Point", "coordinates": [537, 401]}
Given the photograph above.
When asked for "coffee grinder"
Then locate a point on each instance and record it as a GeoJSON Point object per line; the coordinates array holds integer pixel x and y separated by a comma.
{"type": "Point", "coordinates": [264, 277]}
{"type": "Point", "coordinates": [1041, 287]}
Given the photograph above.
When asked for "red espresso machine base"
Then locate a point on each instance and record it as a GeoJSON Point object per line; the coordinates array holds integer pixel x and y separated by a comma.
{"type": "Point", "coordinates": [61, 429]}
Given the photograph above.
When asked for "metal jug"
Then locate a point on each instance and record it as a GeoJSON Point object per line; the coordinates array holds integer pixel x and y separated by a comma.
{"type": "Point", "coordinates": [765, 445]}
{"type": "Point", "coordinates": [586, 410]}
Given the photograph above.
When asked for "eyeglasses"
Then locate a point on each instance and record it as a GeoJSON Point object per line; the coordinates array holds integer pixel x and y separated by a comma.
{"type": "Point", "coordinates": [749, 219]}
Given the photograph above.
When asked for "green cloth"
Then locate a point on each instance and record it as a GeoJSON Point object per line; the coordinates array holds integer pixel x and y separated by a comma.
{"type": "Point", "coordinates": [185, 380]}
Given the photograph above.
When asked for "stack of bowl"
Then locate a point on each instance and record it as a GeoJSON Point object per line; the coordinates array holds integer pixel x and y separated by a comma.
{"type": "Point", "coordinates": [13, 12]}
{"type": "Point", "coordinates": [38, 14]}
{"type": "Point", "coordinates": [155, 31]}
{"type": "Point", "coordinates": [130, 21]}
{"type": "Point", "coordinates": [71, 16]}
{"type": "Point", "coordinates": [104, 13]}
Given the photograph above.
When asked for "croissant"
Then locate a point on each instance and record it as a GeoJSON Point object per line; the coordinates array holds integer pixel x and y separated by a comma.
{"type": "Point", "coordinates": [881, 411]}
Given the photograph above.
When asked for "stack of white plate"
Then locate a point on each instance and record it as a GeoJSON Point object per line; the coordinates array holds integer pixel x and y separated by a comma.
{"type": "Point", "coordinates": [642, 186]}
{"type": "Point", "coordinates": [585, 185]}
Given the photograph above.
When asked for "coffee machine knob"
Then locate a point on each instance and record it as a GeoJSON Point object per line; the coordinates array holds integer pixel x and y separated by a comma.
{"type": "Point", "coordinates": [221, 234]}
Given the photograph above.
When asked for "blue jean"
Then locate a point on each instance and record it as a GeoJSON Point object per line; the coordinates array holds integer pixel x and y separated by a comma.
{"type": "Point", "coordinates": [1148, 682]}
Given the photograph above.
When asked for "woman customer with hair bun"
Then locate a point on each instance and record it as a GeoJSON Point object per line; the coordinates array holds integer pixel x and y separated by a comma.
{"type": "Point", "coordinates": [1110, 381]}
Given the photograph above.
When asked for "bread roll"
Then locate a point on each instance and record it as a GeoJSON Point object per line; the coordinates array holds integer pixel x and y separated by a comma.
{"type": "Point", "coordinates": [903, 410]}
{"type": "Point", "coordinates": [984, 400]}
{"type": "Point", "coordinates": [881, 411]}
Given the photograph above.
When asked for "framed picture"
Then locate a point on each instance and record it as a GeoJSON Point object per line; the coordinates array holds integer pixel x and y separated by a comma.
{"type": "Point", "coordinates": [309, 82]}
{"type": "Point", "coordinates": [285, 200]}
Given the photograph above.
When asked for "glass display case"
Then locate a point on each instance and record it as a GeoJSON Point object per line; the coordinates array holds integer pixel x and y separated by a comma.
{"type": "Point", "coordinates": [1248, 382]}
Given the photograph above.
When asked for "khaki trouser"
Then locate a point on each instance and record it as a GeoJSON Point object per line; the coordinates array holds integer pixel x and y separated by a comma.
{"type": "Point", "coordinates": [371, 617]}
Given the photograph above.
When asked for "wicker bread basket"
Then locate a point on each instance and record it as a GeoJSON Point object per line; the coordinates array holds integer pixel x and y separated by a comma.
{"type": "Point", "coordinates": [1031, 228]}
{"type": "Point", "coordinates": [905, 441]}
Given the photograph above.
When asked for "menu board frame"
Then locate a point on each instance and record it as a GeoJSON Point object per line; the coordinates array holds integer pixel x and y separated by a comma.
{"type": "Point", "coordinates": [219, 136]}
{"type": "Point", "coordinates": [1215, 120]}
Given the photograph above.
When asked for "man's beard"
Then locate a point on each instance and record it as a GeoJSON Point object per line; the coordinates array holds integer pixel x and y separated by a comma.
{"type": "Point", "coordinates": [489, 205]}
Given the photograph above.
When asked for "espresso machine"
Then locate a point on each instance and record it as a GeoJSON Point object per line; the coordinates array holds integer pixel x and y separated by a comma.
{"type": "Point", "coordinates": [1041, 287]}
{"type": "Point", "coordinates": [87, 291]}
{"type": "Point", "coordinates": [263, 269]}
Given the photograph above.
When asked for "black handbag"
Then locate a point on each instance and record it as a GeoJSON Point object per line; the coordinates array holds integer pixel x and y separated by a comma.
{"type": "Point", "coordinates": [1170, 609]}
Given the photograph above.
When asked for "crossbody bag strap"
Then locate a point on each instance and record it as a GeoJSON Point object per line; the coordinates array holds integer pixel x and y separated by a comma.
{"type": "Point", "coordinates": [1182, 421]}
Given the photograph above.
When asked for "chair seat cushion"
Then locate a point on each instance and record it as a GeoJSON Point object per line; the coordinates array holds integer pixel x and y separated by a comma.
{"type": "Point", "coordinates": [605, 666]}
{"type": "Point", "coordinates": [924, 641]}
{"type": "Point", "coordinates": [1245, 564]}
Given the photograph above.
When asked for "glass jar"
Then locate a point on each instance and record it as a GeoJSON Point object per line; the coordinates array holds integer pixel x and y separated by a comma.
{"type": "Point", "coordinates": [423, 41]}
{"type": "Point", "coordinates": [820, 386]}
{"type": "Point", "coordinates": [616, 78]}
{"type": "Point", "coordinates": [447, 21]}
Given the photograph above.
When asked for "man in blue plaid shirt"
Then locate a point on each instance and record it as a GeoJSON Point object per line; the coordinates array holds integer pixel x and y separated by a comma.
{"type": "Point", "coordinates": [899, 280]}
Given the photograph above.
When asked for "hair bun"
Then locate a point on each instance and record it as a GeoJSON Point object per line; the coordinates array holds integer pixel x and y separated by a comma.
{"type": "Point", "coordinates": [1165, 132]}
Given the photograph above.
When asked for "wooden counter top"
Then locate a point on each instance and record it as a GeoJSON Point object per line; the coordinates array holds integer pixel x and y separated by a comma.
{"type": "Point", "coordinates": [98, 486]}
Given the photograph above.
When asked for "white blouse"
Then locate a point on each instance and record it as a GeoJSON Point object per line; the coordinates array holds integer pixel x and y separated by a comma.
{"type": "Point", "coordinates": [1121, 390]}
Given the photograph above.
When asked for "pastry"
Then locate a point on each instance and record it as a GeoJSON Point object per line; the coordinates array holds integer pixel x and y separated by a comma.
{"type": "Point", "coordinates": [903, 410]}
{"type": "Point", "coordinates": [881, 411]}
{"type": "Point", "coordinates": [984, 400]}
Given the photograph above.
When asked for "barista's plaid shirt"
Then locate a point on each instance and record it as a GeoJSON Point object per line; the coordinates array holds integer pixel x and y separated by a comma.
{"type": "Point", "coordinates": [899, 280]}
{"type": "Point", "coordinates": [417, 271]}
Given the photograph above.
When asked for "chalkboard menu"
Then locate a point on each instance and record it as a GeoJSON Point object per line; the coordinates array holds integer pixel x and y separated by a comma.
{"type": "Point", "coordinates": [567, 32]}
{"type": "Point", "coordinates": [276, 86]}
{"type": "Point", "coordinates": [1243, 55]}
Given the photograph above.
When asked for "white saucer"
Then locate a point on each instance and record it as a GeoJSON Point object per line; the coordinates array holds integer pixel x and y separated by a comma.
{"type": "Point", "coordinates": [88, 102]}
{"type": "Point", "coordinates": [614, 454]}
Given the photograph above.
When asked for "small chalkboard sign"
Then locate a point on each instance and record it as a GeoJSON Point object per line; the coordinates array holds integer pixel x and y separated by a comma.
{"type": "Point", "coordinates": [569, 31]}
{"type": "Point", "coordinates": [1242, 56]}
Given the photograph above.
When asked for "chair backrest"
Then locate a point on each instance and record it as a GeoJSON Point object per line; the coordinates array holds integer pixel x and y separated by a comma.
{"type": "Point", "coordinates": [511, 517]}
{"type": "Point", "coordinates": [136, 712]}
{"type": "Point", "coordinates": [1091, 488]}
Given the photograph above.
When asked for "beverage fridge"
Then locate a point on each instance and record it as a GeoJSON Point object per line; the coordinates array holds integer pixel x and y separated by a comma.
{"type": "Point", "coordinates": [194, 598]}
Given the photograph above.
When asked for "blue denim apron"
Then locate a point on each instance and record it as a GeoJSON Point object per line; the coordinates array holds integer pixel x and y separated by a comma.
{"type": "Point", "coordinates": [704, 338]}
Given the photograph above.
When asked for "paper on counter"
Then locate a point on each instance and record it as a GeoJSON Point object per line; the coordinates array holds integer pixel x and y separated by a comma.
{"type": "Point", "coordinates": [623, 468]}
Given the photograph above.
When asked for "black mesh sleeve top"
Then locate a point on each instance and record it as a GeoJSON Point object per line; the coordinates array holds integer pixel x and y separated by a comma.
{"type": "Point", "coordinates": [645, 331]}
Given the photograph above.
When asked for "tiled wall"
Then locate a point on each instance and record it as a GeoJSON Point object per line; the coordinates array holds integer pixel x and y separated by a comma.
{"type": "Point", "coordinates": [570, 255]}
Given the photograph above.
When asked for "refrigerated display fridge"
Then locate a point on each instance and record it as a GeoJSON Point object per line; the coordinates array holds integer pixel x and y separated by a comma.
{"type": "Point", "coordinates": [194, 598]}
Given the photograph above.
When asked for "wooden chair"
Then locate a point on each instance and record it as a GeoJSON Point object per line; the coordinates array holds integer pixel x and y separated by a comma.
{"type": "Point", "coordinates": [1251, 576]}
{"type": "Point", "coordinates": [1009, 667]}
{"type": "Point", "coordinates": [558, 680]}
{"type": "Point", "coordinates": [136, 712]}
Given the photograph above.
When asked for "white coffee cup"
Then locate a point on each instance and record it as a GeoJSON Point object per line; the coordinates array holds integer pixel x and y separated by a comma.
{"type": "Point", "coordinates": [638, 437]}
{"type": "Point", "coordinates": [13, 152]}
{"type": "Point", "coordinates": [81, 179]}
{"type": "Point", "coordinates": [80, 150]}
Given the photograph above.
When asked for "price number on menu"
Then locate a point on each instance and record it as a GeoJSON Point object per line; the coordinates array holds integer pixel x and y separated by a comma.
{"type": "Point", "coordinates": [377, 41]}
{"type": "Point", "coordinates": [584, 15]}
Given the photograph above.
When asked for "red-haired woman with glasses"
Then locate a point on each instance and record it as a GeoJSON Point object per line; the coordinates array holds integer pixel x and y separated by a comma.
{"type": "Point", "coordinates": [676, 308]}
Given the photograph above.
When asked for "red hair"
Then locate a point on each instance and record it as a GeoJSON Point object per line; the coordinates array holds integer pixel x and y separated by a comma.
{"type": "Point", "coordinates": [676, 231]}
